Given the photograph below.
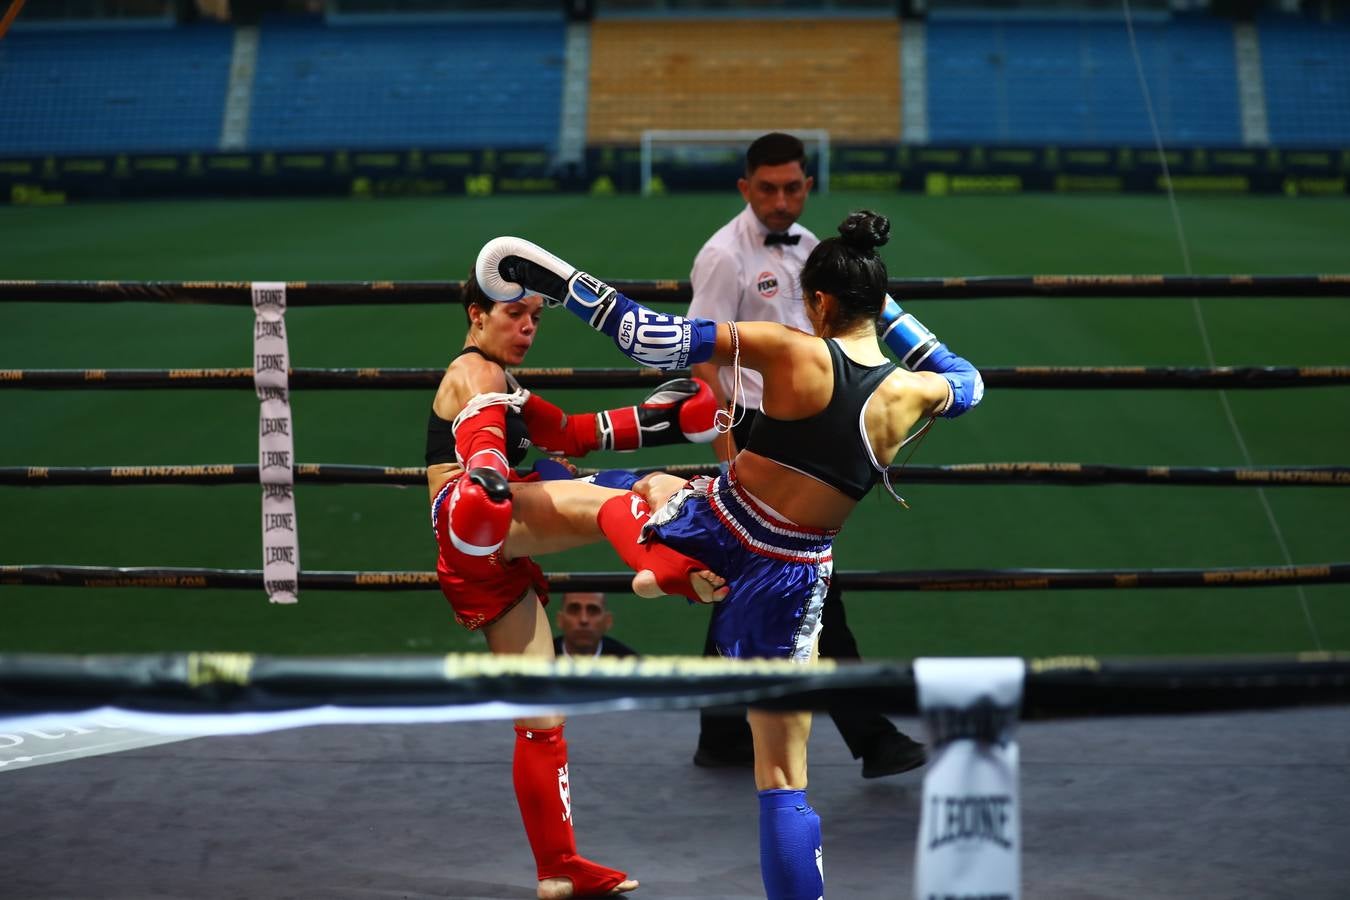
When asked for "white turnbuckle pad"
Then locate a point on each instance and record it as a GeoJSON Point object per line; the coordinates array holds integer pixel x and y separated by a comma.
{"type": "Point", "coordinates": [970, 827]}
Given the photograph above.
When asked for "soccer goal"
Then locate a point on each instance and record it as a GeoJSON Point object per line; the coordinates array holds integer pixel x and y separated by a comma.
{"type": "Point", "coordinates": [714, 146]}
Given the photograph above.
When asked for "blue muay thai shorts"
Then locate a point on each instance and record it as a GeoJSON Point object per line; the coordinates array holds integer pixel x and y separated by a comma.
{"type": "Point", "coordinates": [778, 571]}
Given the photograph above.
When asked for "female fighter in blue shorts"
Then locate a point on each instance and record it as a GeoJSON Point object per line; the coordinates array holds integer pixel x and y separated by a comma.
{"type": "Point", "coordinates": [488, 521]}
{"type": "Point", "coordinates": [835, 413]}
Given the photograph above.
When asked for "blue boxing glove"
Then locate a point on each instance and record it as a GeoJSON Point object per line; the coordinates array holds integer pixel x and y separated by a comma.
{"type": "Point", "coordinates": [622, 479]}
{"type": "Point", "coordinates": [920, 351]}
{"type": "Point", "coordinates": [551, 468]}
{"type": "Point", "coordinates": [510, 268]}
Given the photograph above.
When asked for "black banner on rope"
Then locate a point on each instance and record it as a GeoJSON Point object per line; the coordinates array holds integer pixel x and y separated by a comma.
{"type": "Point", "coordinates": [967, 473]}
{"type": "Point", "coordinates": [353, 293]}
{"type": "Point", "coordinates": [1033, 377]}
{"type": "Point", "coordinates": [198, 683]}
{"type": "Point", "coordinates": [857, 580]}
{"type": "Point", "coordinates": [995, 169]}
{"type": "Point", "coordinates": [937, 170]}
{"type": "Point", "coordinates": [56, 180]}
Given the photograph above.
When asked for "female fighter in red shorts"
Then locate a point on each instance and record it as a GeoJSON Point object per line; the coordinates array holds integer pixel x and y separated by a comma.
{"type": "Point", "coordinates": [489, 522]}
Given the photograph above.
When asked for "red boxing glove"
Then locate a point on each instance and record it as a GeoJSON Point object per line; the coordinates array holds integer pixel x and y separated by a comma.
{"type": "Point", "coordinates": [480, 504]}
{"type": "Point", "coordinates": [480, 512]}
{"type": "Point", "coordinates": [698, 414]}
{"type": "Point", "coordinates": [679, 410]}
{"type": "Point", "coordinates": [682, 409]}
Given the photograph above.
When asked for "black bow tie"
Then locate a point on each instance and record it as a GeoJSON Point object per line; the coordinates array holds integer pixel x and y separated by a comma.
{"type": "Point", "coordinates": [777, 237]}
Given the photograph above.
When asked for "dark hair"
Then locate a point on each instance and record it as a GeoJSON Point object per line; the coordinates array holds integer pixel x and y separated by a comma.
{"type": "Point", "coordinates": [848, 267]}
{"type": "Point", "coordinates": [472, 295]}
{"type": "Point", "coordinates": [774, 149]}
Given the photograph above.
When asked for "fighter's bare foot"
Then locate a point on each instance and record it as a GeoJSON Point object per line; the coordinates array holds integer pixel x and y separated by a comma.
{"type": "Point", "coordinates": [561, 889]}
{"type": "Point", "coordinates": [709, 586]}
{"type": "Point", "coordinates": [658, 487]}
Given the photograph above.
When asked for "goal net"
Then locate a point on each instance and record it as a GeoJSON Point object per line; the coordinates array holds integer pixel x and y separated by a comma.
{"type": "Point", "coordinates": [662, 149]}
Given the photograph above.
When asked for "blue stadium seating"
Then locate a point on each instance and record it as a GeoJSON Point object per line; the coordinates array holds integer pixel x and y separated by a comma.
{"type": "Point", "coordinates": [470, 84]}
{"type": "Point", "coordinates": [476, 83]}
{"type": "Point", "coordinates": [1306, 68]}
{"type": "Point", "coordinates": [140, 89]}
{"type": "Point", "coordinates": [1033, 81]}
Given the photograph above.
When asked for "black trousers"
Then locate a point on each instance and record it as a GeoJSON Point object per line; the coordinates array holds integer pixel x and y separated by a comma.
{"type": "Point", "coordinates": [723, 729]}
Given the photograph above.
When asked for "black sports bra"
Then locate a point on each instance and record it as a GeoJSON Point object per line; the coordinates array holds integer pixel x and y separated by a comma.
{"type": "Point", "coordinates": [832, 445]}
{"type": "Point", "coordinates": [441, 434]}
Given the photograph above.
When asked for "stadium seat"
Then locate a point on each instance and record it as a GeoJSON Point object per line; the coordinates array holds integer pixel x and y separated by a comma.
{"type": "Point", "coordinates": [842, 75]}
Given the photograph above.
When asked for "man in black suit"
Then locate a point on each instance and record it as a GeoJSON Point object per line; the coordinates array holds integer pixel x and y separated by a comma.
{"type": "Point", "coordinates": [584, 620]}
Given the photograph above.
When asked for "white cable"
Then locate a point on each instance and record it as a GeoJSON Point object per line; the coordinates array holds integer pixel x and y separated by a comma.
{"type": "Point", "coordinates": [725, 420]}
{"type": "Point", "coordinates": [1200, 318]}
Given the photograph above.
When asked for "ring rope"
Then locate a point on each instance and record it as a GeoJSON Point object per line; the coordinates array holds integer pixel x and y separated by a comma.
{"type": "Point", "coordinates": [239, 682]}
{"type": "Point", "coordinates": [15, 7]}
{"type": "Point", "coordinates": [1035, 377]}
{"type": "Point", "coordinates": [856, 580]}
{"type": "Point", "coordinates": [353, 293]}
{"type": "Point", "coordinates": [350, 293]}
{"type": "Point", "coordinates": [1051, 473]}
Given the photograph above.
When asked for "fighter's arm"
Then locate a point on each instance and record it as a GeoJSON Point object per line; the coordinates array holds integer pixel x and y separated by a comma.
{"type": "Point", "coordinates": [509, 268]}
{"type": "Point", "coordinates": [927, 393]}
{"type": "Point", "coordinates": [480, 503]}
{"type": "Point", "coordinates": [463, 398]}
{"type": "Point", "coordinates": [762, 346]}
{"type": "Point", "coordinates": [919, 350]}
{"type": "Point", "coordinates": [678, 410]}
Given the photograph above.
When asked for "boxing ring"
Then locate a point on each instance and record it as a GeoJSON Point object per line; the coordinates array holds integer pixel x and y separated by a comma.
{"type": "Point", "coordinates": [404, 792]}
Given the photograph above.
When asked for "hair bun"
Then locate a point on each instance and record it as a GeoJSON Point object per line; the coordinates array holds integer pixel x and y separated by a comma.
{"type": "Point", "coordinates": [865, 230]}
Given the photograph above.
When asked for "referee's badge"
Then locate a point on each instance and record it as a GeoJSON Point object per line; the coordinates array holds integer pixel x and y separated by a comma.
{"type": "Point", "coordinates": [767, 285]}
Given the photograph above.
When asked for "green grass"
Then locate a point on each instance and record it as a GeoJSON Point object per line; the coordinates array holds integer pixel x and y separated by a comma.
{"type": "Point", "coordinates": [950, 526]}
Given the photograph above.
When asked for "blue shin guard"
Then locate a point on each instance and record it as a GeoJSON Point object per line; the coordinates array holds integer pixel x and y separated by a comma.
{"type": "Point", "coordinates": [789, 847]}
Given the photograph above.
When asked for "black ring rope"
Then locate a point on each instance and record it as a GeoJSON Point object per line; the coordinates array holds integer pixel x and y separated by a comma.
{"type": "Point", "coordinates": [194, 683]}
{"type": "Point", "coordinates": [856, 580]}
{"type": "Point", "coordinates": [966, 473]}
{"type": "Point", "coordinates": [1042, 377]}
{"type": "Point", "coordinates": [350, 293]}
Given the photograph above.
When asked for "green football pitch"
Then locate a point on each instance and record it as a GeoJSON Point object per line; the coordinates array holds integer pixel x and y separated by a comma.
{"type": "Point", "coordinates": [948, 526]}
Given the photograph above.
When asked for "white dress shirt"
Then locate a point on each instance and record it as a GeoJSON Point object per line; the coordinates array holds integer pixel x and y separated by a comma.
{"type": "Point", "coordinates": [736, 278]}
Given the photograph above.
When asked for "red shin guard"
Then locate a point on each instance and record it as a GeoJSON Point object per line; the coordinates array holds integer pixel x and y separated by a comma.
{"type": "Point", "coordinates": [621, 519]}
{"type": "Point", "coordinates": [543, 791]}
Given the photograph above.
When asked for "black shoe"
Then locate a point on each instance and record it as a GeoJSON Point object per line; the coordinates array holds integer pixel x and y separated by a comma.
{"type": "Point", "coordinates": [892, 754]}
{"type": "Point", "coordinates": [739, 757]}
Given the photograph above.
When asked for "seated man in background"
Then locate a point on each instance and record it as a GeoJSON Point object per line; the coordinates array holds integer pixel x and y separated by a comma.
{"type": "Point", "coordinates": [585, 620]}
